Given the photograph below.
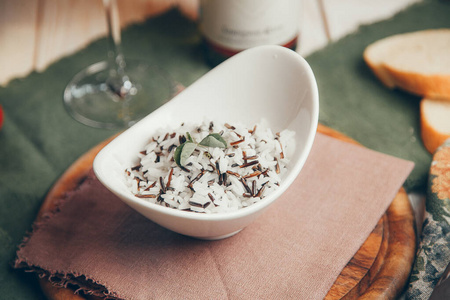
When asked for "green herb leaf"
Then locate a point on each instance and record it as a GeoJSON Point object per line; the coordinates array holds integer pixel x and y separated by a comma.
{"type": "Point", "coordinates": [214, 140]}
{"type": "Point", "coordinates": [177, 154]}
{"type": "Point", "coordinates": [183, 152]}
{"type": "Point", "coordinates": [189, 137]}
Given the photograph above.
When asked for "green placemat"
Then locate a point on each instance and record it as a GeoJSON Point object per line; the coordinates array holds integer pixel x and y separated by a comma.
{"type": "Point", "coordinates": [39, 140]}
{"type": "Point", "coordinates": [354, 102]}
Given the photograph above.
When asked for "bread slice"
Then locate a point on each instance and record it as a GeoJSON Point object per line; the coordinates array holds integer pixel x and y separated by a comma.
{"type": "Point", "coordinates": [417, 62]}
{"type": "Point", "coordinates": [434, 122]}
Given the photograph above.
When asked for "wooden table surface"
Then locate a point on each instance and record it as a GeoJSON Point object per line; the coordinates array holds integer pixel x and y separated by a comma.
{"type": "Point", "coordinates": [35, 33]}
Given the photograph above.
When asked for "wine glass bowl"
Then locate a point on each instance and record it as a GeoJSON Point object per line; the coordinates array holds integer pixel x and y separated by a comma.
{"type": "Point", "coordinates": [116, 93]}
{"type": "Point", "coordinates": [97, 98]}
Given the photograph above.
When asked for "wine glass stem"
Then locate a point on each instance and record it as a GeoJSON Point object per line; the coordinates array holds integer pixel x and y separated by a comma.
{"type": "Point", "coordinates": [117, 80]}
{"type": "Point", "coordinates": [116, 60]}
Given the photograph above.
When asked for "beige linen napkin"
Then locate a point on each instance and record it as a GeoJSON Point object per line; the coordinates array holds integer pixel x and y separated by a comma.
{"type": "Point", "coordinates": [295, 250]}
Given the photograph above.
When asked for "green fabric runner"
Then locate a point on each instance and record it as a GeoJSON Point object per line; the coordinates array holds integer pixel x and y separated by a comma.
{"type": "Point", "coordinates": [354, 102]}
{"type": "Point", "coordinates": [39, 140]}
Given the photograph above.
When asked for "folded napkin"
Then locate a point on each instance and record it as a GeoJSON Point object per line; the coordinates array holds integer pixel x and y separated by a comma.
{"type": "Point", "coordinates": [433, 254]}
{"type": "Point", "coordinates": [295, 250]}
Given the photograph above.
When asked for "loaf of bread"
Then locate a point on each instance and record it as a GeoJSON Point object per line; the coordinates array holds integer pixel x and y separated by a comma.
{"type": "Point", "coordinates": [417, 62]}
{"type": "Point", "coordinates": [434, 122]}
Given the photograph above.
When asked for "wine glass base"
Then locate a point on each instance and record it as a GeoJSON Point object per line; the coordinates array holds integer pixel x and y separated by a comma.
{"type": "Point", "coordinates": [90, 99]}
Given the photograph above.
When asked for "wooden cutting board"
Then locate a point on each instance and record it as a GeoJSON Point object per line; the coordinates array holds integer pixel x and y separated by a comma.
{"type": "Point", "coordinates": [379, 269]}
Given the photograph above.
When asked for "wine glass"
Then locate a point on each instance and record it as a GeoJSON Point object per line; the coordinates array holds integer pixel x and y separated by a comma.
{"type": "Point", "coordinates": [116, 93]}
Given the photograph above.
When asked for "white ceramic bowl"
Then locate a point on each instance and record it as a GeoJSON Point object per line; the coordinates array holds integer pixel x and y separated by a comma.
{"type": "Point", "coordinates": [269, 82]}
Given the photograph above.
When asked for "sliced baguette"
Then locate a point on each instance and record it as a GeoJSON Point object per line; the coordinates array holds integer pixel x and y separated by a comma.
{"type": "Point", "coordinates": [417, 62]}
{"type": "Point", "coordinates": [434, 122]}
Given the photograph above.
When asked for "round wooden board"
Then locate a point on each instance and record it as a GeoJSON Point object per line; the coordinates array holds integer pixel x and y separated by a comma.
{"type": "Point", "coordinates": [379, 269]}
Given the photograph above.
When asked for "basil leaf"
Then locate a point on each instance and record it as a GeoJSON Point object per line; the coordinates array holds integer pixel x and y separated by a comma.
{"type": "Point", "coordinates": [177, 154]}
{"type": "Point", "coordinates": [185, 152]}
{"type": "Point", "coordinates": [214, 140]}
{"type": "Point", "coordinates": [189, 137]}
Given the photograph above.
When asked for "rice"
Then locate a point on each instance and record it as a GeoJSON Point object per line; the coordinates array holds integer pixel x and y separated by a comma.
{"type": "Point", "coordinates": [212, 179]}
